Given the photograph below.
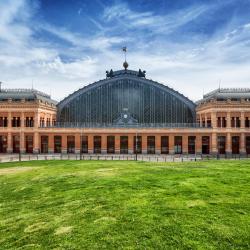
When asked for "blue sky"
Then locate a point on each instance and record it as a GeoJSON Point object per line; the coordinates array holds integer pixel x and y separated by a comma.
{"type": "Point", "coordinates": [62, 45]}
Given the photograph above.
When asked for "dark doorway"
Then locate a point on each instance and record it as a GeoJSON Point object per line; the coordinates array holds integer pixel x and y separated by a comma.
{"type": "Point", "coordinates": [44, 144]}
{"type": "Point", "coordinates": [3, 144]}
{"type": "Point", "coordinates": [191, 144]}
{"type": "Point", "coordinates": [29, 144]}
{"type": "Point", "coordinates": [57, 144]}
{"type": "Point", "coordinates": [205, 145]}
{"type": "Point", "coordinates": [221, 144]}
{"type": "Point", "coordinates": [235, 144]}
{"type": "Point", "coordinates": [137, 147]}
{"type": "Point", "coordinates": [178, 144]}
{"type": "Point", "coordinates": [97, 144]}
{"type": "Point", "coordinates": [164, 145]}
{"type": "Point", "coordinates": [84, 148]}
{"type": "Point", "coordinates": [248, 145]}
{"type": "Point", "coordinates": [111, 144]}
{"type": "Point", "coordinates": [151, 144]}
{"type": "Point", "coordinates": [124, 144]}
{"type": "Point", "coordinates": [70, 144]}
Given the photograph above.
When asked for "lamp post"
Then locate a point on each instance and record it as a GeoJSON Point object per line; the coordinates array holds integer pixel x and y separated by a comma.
{"type": "Point", "coordinates": [81, 144]}
{"type": "Point", "coordinates": [136, 140]}
{"type": "Point", "coordinates": [20, 134]}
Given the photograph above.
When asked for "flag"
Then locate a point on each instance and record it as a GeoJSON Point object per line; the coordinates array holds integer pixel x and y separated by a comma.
{"type": "Point", "coordinates": [124, 49]}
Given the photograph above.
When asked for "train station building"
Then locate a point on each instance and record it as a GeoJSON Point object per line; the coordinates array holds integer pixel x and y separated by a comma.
{"type": "Point", "coordinates": [125, 113]}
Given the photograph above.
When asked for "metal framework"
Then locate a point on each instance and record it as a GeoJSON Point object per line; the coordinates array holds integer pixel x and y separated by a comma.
{"type": "Point", "coordinates": [126, 99]}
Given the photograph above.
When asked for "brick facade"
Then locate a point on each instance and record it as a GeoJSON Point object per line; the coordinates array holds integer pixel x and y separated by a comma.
{"type": "Point", "coordinates": [28, 127]}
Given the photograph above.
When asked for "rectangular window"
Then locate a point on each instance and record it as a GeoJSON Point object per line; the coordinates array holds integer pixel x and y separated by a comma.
{"type": "Point", "coordinates": [57, 144]}
{"type": "Point", "coordinates": [191, 144]}
{"type": "Point", "coordinates": [84, 144]}
{"type": "Point", "coordinates": [178, 144]}
{"type": "Point", "coordinates": [247, 122]}
{"type": "Point", "coordinates": [209, 123]}
{"type": "Point", "coordinates": [164, 145]}
{"type": "Point", "coordinates": [218, 122]}
{"type": "Point", "coordinates": [151, 144]}
{"type": "Point", "coordinates": [5, 122]}
{"type": "Point", "coordinates": [97, 144]}
{"type": "Point", "coordinates": [221, 144]}
{"type": "Point", "coordinates": [124, 144]}
{"type": "Point", "coordinates": [138, 145]}
{"type": "Point", "coordinates": [29, 122]}
{"type": "Point", "coordinates": [16, 122]}
{"type": "Point", "coordinates": [224, 122]}
{"type": "Point", "coordinates": [71, 144]}
{"type": "Point", "coordinates": [235, 122]}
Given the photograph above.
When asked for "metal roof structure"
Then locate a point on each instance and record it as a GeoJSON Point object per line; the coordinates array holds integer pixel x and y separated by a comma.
{"type": "Point", "coordinates": [226, 93]}
{"type": "Point", "coordinates": [26, 94]}
{"type": "Point", "coordinates": [147, 101]}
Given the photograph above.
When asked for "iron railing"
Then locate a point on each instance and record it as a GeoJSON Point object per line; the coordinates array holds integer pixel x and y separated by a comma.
{"type": "Point", "coordinates": [127, 125]}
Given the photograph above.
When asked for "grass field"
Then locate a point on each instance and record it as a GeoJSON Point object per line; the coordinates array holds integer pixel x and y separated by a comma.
{"type": "Point", "coordinates": [125, 205]}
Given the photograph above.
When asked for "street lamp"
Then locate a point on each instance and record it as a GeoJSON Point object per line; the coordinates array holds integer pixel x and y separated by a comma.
{"type": "Point", "coordinates": [81, 144]}
{"type": "Point", "coordinates": [20, 134]}
{"type": "Point", "coordinates": [136, 140]}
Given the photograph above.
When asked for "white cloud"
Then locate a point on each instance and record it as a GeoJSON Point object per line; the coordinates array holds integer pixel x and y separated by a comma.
{"type": "Point", "coordinates": [187, 67]}
{"type": "Point", "coordinates": [149, 20]}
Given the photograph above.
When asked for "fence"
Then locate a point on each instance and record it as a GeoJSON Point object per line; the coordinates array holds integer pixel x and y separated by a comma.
{"type": "Point", "coordinates": [128, 157]}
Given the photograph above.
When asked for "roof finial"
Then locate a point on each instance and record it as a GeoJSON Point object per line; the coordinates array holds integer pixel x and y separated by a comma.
{"type": "Point", "coordinates": [125, 64]}
{"type": "Point", "coordinates": [0, 86]}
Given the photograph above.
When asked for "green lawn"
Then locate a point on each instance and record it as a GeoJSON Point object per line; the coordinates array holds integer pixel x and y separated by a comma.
{"type": "Point", "coordinates": [125, 205]}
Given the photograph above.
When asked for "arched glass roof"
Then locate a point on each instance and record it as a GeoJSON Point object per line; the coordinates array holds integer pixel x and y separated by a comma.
{"type": "Point", "coordinates": [126, 97]}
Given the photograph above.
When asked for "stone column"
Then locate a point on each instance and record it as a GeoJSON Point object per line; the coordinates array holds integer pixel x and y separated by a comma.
{"type": "Point", "coordinates": [64, 143]}
{"type": "Point", "coordinates": [51, 144]}
{"type": "Point", "coordinates": [198, 144]}
{"type": "Point", "coordinates": [228, 120]}
{"type": "Point", "coordinates": [185, 144]}
{"type": "Point", "coordinates": [242, 120]}
{"type": "Point", "coordinates": [144, 144]}
{"type": "Point", "coordinates": [171, 144]}
{"type": "Point", "coordinates": [243, 144]}
{"type": "Point", "coordinates": [117, 144]}
{"type": "Point", "coordinates": [77, 143]}
{"type": "Point", "coordinates": [22, 122]}
{"type": "Point", "coordinates": [9, 119]}
{"type": "Point", "coordinates": [205, 120]}
{"type": "Point", "coordinates": [104, 144]}
{"type": "Point", "coordinates": [214, 119]}
{"type": "Point", "coordinates": [90, 143]}
{"type": "Point", "coordinates": [158, 144]}
{"type": "Point", "coordinates": [200, 120]}
{"type": "Point", "coordinates": [229, 145]}
{"type": "Point", "coordinates": [36, 120]}
{"type": "Point", "coordinates": [22, 142]}
{"type": "Point", "coordinates": [130, 144]}
{"type": "Point", "coordinates": [36, 148]}
{"type": "Point", "coordinates": [214, 144]}
{"type": "Point", "coordinates": [9, 143]}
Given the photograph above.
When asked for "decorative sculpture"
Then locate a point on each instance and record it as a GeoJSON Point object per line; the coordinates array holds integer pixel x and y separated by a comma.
{"type": "Point", "coordinates": [109, 73]}
{"type": "Point", "coordinates": [142, 73]}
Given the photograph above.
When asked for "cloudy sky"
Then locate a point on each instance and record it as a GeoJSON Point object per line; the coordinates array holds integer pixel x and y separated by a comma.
{"type": "Point", "coordinates": [62, 45]}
